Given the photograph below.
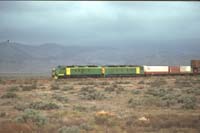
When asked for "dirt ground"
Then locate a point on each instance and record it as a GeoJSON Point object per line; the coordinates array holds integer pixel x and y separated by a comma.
{"type": "Point", "coordinates": [167, 104]}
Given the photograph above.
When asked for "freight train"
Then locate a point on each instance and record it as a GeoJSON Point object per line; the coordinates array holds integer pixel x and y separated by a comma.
{"type": "Point", "coordinates": [124, 70]}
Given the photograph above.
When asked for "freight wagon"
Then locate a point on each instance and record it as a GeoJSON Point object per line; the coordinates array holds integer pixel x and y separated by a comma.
{"type": "Point", "coordinates": [195, 64]}
{"type": "Point", "coordinates": [156, 70]}
{"type": "Point", "coordinates": [124, 70]}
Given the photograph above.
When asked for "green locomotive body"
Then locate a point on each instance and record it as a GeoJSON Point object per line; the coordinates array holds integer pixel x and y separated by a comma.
{"type": "Point", "coordinates": [96, 71]}
{"type": "Point", "coordinates": [123, 70]}
{"type": "Point", "coordinates": [83, 71]}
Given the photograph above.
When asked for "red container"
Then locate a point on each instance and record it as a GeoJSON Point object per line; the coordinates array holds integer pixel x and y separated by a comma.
{"type": "Point", "coordinates": [195, 63]}
{"type": "Point", "coordinates": [174, 69]}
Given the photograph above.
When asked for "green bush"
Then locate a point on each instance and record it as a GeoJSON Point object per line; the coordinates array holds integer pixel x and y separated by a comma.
{"type": "Point", "coordinates": [2, 114]}
{"type": "Point", "coordinates": [80, 108]}
{"type": "Point", "coordinates": [91, 94]}
{"type": "Point", "coordinates": [169, 100]}
{"type": "Point", "coordinates": [13, 88]}
{"type": "Point", "coordinates": [134, 91]}
{"type": "Point", "coordinates": [159, 92]}
{"type": "Point", "coordinates": [9, 95]}
{"type": "Point", "coordinates": [195, 91]}
{"type": "Point", "coordinates": [67, 88]}
{"type": "Point", "coordinates": [20, 107]}
{"type": "Point", "coordinates": [181, 83]}
{"type": "Point", "coordinates": [158, 83]}
{"type": "Point", "coordinates": [119, 89]}
{"type": "Point", "coordinates": [71, 129]}
{"type": "Point", "coordinates": [188, 102]}
{"type": "Point", "coordinates": [109, 89]}
{"type": "Point", "coordinates": [107, 120]}
{"type": "Point", "coordinates": [55, 86]}
{"type": "Point", "coordinates": [122, 82]}
{"type": "Point", "coordinates": [104, 83]}
{"type": "Point", "coordinates": [86, 127]}
{"type": "Point", "coordinates": [31, 87]}
{"type": "Point", "coordinates": [60, 98]}
{"type": "Point", "coordinates": [33, 116]}
{"type": "Point", "coordinates": [141, 82]}
{"type": "Point", "coordinates": [114, 87]}
{"type": "Point", "coordinates": [135, 102]}
{"type": "Point", "coordinates": [87, 83]}
{"type": "Point", "coordinates": [2, 81]}
{"type": "Point", "coordinates": [43, 105]}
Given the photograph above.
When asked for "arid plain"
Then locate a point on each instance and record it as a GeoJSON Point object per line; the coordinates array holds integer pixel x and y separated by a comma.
{"type": "Point", "coordinates": [163, 104]}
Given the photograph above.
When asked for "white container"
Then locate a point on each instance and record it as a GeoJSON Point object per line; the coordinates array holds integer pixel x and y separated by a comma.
{"type": "Point", "coordinates": [186, 69]}
{"type": "Point", "coordinates": [156, 68]}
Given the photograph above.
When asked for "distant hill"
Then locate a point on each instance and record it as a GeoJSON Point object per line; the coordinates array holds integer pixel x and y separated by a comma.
{"type": "Point", "coordinates": [22, 58]}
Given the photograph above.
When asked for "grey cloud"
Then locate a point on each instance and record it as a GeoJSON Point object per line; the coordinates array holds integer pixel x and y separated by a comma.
{"type": "Point", "coordinates": [92, 22]}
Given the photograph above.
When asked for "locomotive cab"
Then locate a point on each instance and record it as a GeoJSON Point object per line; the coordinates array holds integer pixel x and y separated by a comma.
{"type": "Point", "coordinates": [53, 73]}
{"type": "Point", "coordinates": [58, 72]}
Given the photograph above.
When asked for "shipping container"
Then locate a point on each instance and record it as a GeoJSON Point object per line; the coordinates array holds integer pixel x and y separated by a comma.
{"type": "Point", "coordinates": [185, 69]}
{"type": "Point", "coordinates": [174, 69]}
{"type": "Point", "coordinates": [156, 70]}
{"type": "Point", "coordinates": [195, 63]}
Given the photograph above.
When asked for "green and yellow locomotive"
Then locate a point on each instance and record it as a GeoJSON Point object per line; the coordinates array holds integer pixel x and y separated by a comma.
{"type": "Point", "coordinates": [96, 71]}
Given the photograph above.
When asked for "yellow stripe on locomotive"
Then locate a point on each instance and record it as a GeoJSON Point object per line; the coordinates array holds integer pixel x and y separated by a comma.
{"type": "Point", "coordinates": [103, 70]}
{"type": "Point", "coordinates": [68, 71]}
{"type": "Point", "coordinates": [137, 70]}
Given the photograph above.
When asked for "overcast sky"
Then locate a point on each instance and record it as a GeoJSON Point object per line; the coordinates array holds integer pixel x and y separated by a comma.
{"type": "Point", "coordinates": [93, 23]}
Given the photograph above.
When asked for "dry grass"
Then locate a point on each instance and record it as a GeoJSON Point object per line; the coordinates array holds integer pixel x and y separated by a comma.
{"type": "Point", "coordinates": [138, 104]}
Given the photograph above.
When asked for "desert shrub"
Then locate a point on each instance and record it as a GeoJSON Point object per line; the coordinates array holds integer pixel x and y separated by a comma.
{"type": "Point", "coordinates": [134, 91]}
{"type": "Point", "coordinates": [43, 105]}
{"type": "Point", "coordinates": [20, 107]}
{"type": "Point", "coordinates": [29, 87]}
{"type": "Point", "coordinates": [86, 127]}
{"type": "Point", "coordinates": [2, 114]}
{"type": "Point", "coordinates": [159, 92]}
{"type": "Point", "coordinates": [122, 82]}
{"type": "Point", "coordinates": [32, 115]}
{"type": "Point", "coordinates": [80, 108]}
{"type": "Point", "coordinates": [119, 89]}
{"type": "Point", "coordinates": [55, 86]}
{"type": "Point", "coordinates": [87, 83]}
{"type": "Point", "coordinates": [169, 99]}
{"type": "Point", "coordinates": [13, 88]}
{"type": "Point", "coordinates": [60, 98]}
{"type": "Point", "coordinates": [114, 87]}
{"type": "Point", "coordinates": [104, 83]}
{"type": "Point", "coordinates": [195, 91]}
{"type": "Point", "coordinates": [135, 102]}
{"type": "Point", "coordinates": [151, 101]}
{"type": "Point", "coordinates": [2, 81]}
{"type": "Point", "coordinates": [67, 88]}
{"type": "Point", "coordinates": [183, 83]}
{"type": "Point", "coordinates": [91, 94]}
{"type": "Point", "coordinates": [141, 82]}
{"type": "Point", "coordinates": [71, 129]}
{"type": "Point", "coordinates": [109, 89]}
{"type": "Point", "coordinates": [174, 120]}
{"type": "Point", "coordinates": [188, 102]}
{"type": "Point", "coordinates": [158, 83]}
{"type": "Point", "coordinates": [9, 95]}
{"type": "Point", "coordinates": [105, 119]}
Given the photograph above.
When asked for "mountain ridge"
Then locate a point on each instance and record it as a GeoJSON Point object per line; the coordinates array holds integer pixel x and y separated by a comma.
{"type": "Point", "coordinates": [18, 57]}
